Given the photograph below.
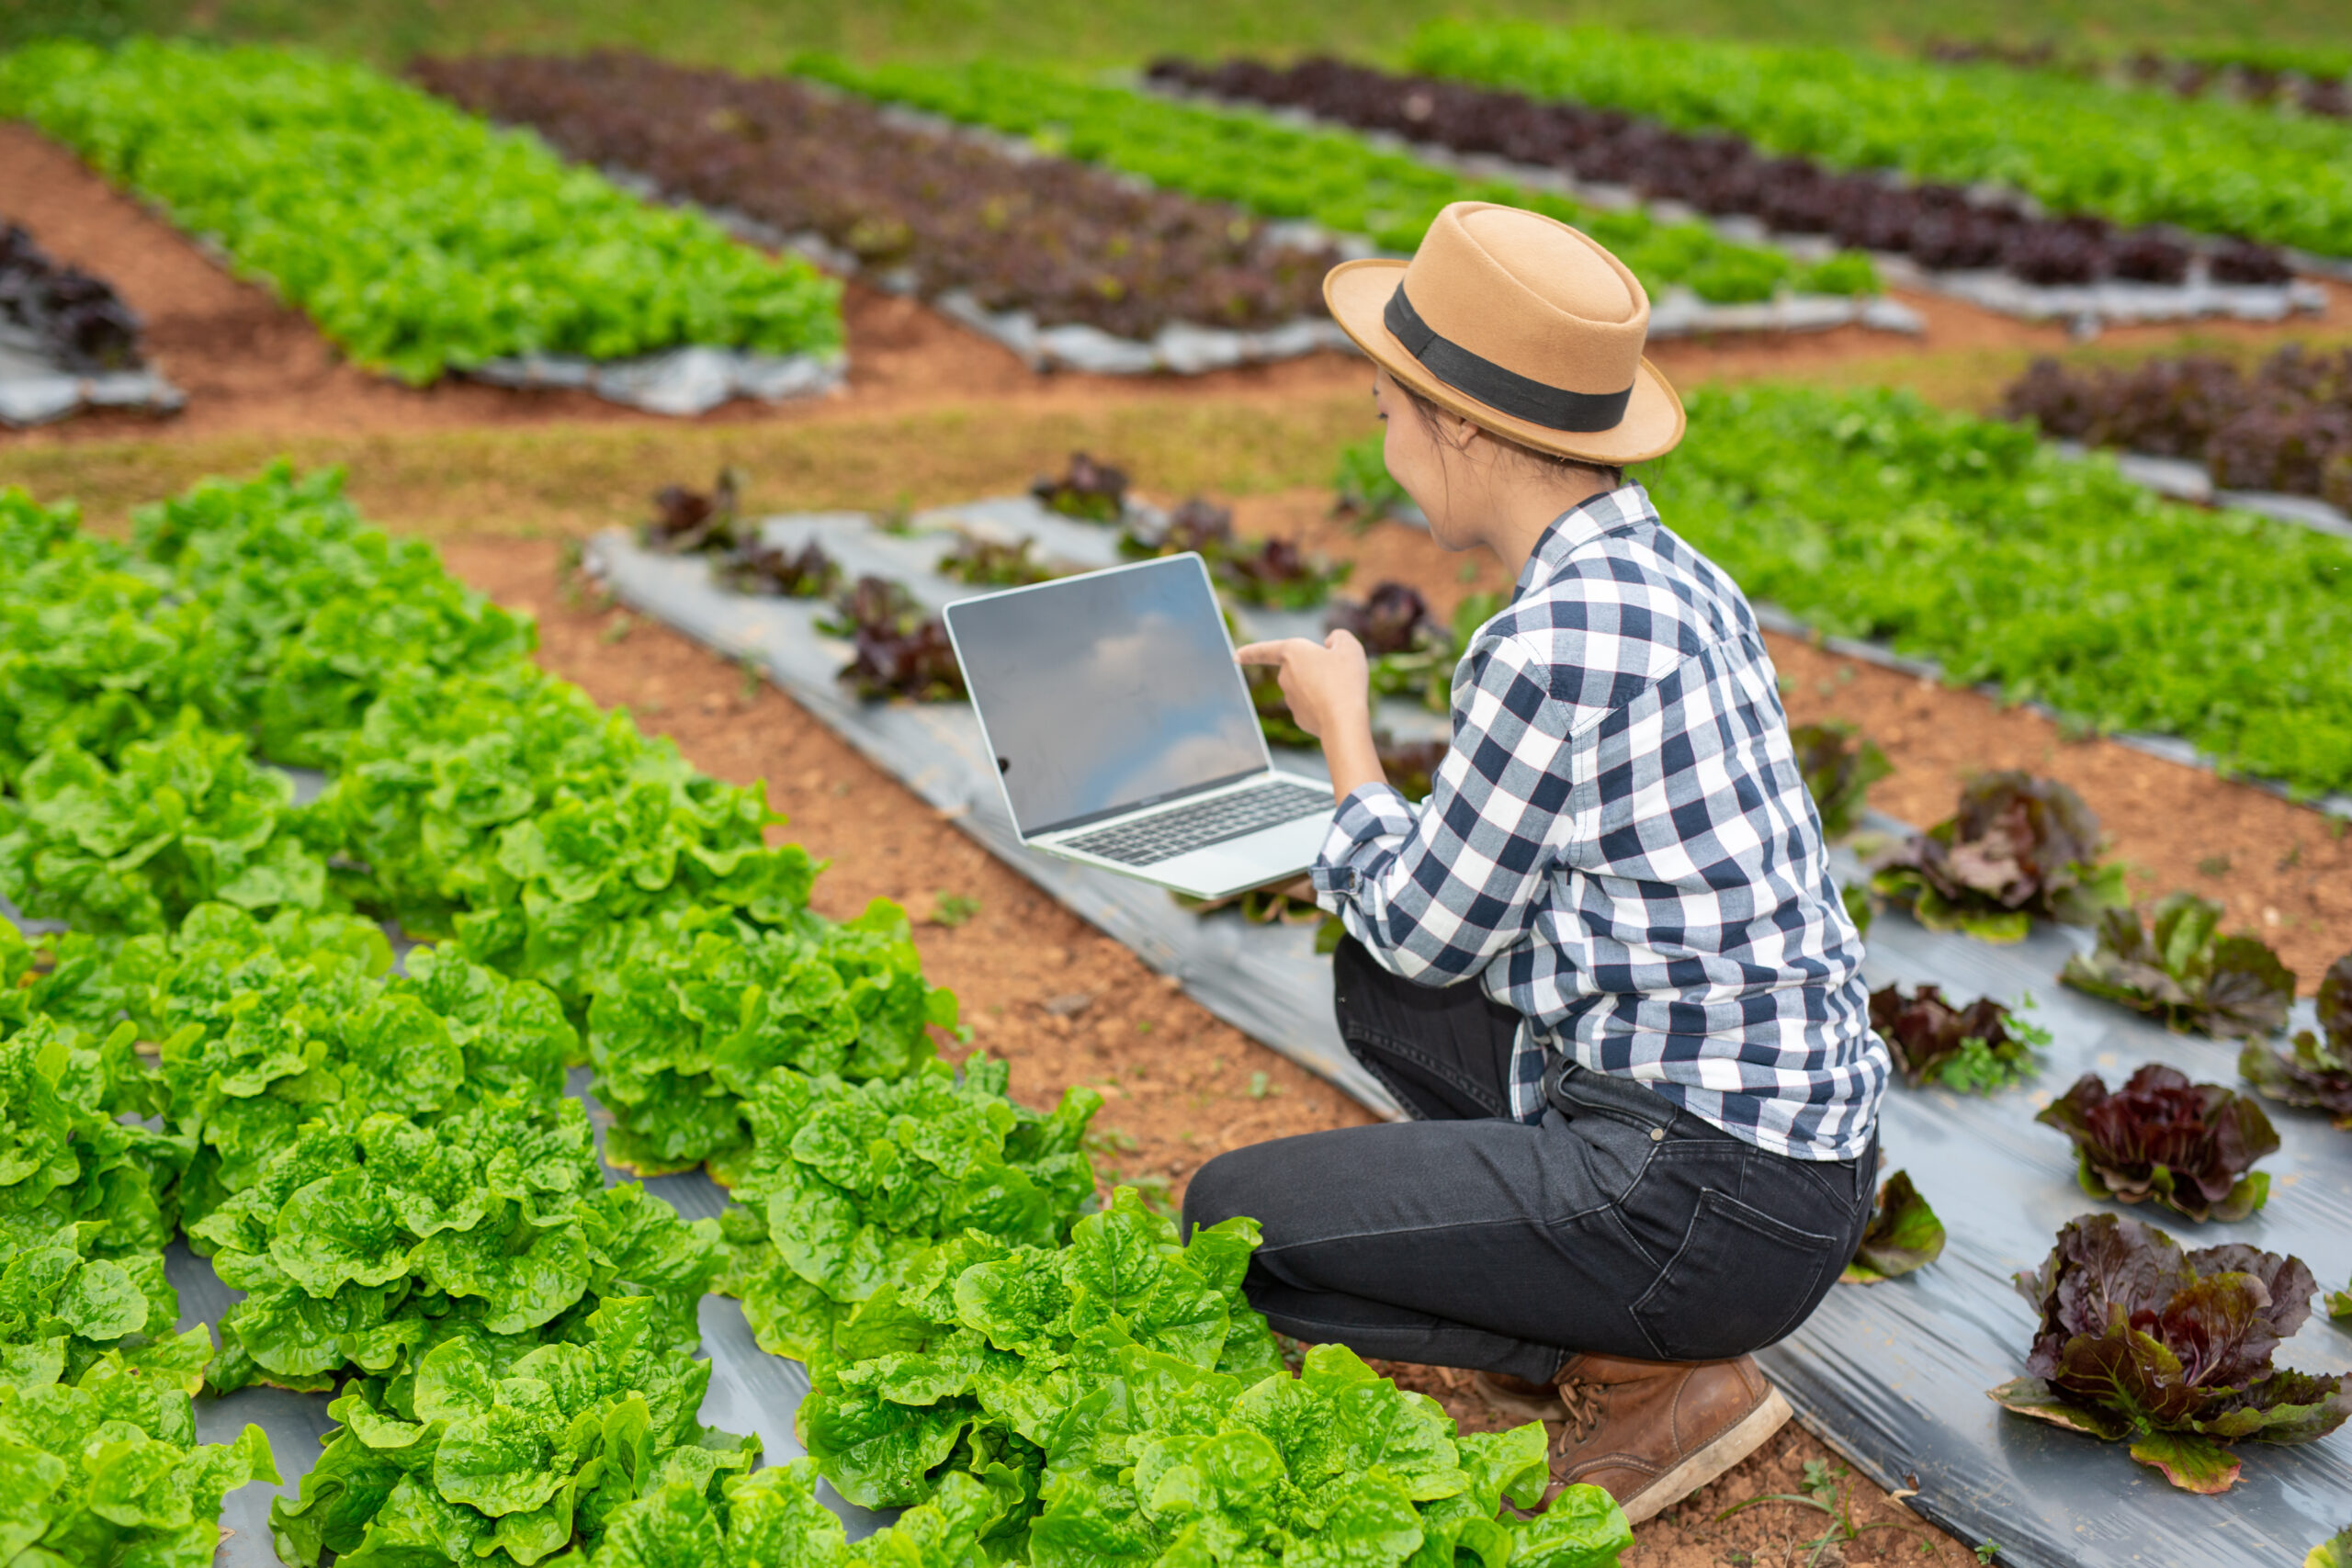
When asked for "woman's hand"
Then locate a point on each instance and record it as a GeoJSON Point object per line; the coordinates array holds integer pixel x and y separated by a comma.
{"type": "Point", "coordinates": [1328, 687]}
{"type": "Point", "coordinates": [1327, 684]}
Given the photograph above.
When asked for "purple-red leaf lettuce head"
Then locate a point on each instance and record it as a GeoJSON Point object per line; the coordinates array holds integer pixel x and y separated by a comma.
{"type": "Point", "coordinates": [2316, 1070]}
{"type": "Point", "coordinates": [2187, 1145]}
{"type": "Point", "coordinates": [2016, 846]}
{"type": "Point", "coordinates": [2141, 1342]}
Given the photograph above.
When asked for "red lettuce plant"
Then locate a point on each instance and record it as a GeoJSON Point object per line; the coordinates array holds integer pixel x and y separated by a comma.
{"type": "Point", "coordinates": [2188, 1145]}
{"type": "Point", "coordinates": [1980, 1047]}
{"type": "Point", "coordinates": [1097, 492]}
{"type": "Point", "coordinates": [752, 567]}
{"type": "Point", "coordinates": [687, 520]}
{"type": "Point", "coordinates": [901, 652]}
{"type": "Point", "coordinates": [2316, 1071]}
{"type": "Point", "coordinates": [2170, 1351]}
{"type": "Point", "coordinates": [2017, 847]}
{"type": "Point", "coordinates": [2179, 969]}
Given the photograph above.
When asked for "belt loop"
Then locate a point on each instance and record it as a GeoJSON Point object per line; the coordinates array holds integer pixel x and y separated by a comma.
{"type": "Point", "coordinates": [1554, 1071]}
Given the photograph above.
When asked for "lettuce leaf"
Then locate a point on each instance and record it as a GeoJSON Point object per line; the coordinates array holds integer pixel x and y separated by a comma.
{"type": "Point", "coordinates": [2180, 970]}
{"type": "Point", "coordinates": [1904, 1235]}
{"type": "Point", "coordinates": [1839, 764]}
{"type": "Point", "coordinates": [2185, 1145]}
{"type": "Point", "coordinates": [2169, 1351]}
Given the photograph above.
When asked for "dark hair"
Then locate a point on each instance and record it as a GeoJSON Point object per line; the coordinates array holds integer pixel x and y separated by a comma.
{"type": "Point", "coordinates": [1610, 474]}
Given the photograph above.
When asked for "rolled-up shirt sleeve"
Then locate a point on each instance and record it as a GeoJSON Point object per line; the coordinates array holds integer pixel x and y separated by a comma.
{"type": "Point", "coordinates": [1436, 891]}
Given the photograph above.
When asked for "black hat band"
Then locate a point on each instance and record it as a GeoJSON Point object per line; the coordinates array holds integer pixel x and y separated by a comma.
{"type": "Point", "coordinates": [1554, 408]}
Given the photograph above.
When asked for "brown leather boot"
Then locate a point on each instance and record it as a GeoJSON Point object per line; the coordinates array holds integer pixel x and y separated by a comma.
{"type": "Point", "coordinates": [1651, 1433]}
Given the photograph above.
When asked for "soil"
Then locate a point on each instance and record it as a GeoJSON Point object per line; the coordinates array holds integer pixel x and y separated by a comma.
{"type": "Point", "coordinates": [1068, 1006]}
{"type": "Point", "coordinates": [251, 364]}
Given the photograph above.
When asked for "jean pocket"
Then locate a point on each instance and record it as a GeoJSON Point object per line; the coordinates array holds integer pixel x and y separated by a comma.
{"type": "Point", "coordinates": [1739, 1281]}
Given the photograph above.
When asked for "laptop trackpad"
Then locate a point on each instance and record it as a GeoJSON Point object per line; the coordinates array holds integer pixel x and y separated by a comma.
{"type": "Point", "coordinates": [1271, 855]}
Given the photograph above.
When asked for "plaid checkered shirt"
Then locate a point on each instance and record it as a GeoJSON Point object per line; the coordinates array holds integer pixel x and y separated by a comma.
{"type": "Point", "coordinates": [1618, 844]}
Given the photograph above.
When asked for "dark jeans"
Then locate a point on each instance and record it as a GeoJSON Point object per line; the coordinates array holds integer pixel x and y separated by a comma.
{"type": "Point", "coordinates": [1620, 1224]}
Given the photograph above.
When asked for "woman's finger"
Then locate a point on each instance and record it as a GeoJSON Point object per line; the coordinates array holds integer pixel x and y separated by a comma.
{"type": "Point", "coordinates": [1268, 652]}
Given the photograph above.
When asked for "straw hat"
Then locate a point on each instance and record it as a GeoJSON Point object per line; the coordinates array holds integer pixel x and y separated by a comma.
{"type": "Point", "coordinates": [1520, 324]}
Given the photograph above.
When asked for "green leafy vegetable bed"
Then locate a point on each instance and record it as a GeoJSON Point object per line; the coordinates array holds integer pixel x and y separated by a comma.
{"type": "Point", "coordinates": [2132, 155]}
{"type": "Point", "coordinates": [1963, 541]}
{"type": "Point", "coordinates": [1330, 177]}
{"type": "Point", "coordinates": [386, 1165]}
{"type": "Point", "coordinates": [417, 237]}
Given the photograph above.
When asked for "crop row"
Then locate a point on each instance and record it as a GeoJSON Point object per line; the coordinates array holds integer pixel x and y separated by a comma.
{"type": "Point", "coordinates": [1328, 177]}
{"type": "Point", "coordinates": [418, 238]}
{"type": "Point", "coordinates": [2079, 148]}
{"type": "Point", "coordinates": [2286, 425]}
{"type": "Point", "coordinates": [1968, 542]}
{"type": "Point", "coordinates": [386, 1166]}
{"type": "Point", "coordinates": [1939, 225]}
{"type": "Point", "coordinates": [2312, 79]}
{"type": "Point", "coordinates": [1064, 240]}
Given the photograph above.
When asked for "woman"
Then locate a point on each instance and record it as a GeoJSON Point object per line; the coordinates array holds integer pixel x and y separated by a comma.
{"type": "Point", "coordinates": [1604, 968]}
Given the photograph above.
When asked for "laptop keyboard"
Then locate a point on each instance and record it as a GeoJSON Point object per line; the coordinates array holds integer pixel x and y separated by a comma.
{"type": "Point", "coordinates": [1172, 833]}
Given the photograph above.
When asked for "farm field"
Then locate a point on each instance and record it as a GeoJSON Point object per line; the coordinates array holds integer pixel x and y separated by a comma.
{"type": "Point", "coordinates": [347, 556]}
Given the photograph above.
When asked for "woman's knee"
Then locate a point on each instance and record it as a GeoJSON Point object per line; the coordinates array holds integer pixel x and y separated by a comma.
{"type": "Point", "coordinates": [1218, 1192]}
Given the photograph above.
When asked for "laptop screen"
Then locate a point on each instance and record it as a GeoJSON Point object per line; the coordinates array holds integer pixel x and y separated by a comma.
{"type": "Point", "coordinates": [1108, 692]}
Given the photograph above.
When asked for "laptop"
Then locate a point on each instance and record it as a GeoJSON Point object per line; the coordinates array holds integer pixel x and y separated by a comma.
{"type": "Point", "coordinates": [1123, 731]}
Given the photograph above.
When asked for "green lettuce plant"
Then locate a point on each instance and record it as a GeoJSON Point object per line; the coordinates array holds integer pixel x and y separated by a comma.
{"type": "Point", "coordinates": [501, 1454]}
{"type": "Point", "coordinates": [85, 1206]}
{"type": "Point", "coordinates": [186, 819]}
{"type": "Point", "coordinates": [702, 1005]}
{"type": "Point", "coordinates": [107, 1469]}
{"type": "Point", "coordinates": [264, 1027]}
{"type": "Point", "coordinates": [363, 1246]}
{"type": "Point", "coordinates": [846, 1184]}
{"type": "Point", "coordinates": [508, 811]}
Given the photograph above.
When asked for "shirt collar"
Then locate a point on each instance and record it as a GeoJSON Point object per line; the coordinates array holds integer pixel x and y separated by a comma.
{"type": "Point", "coordinates": [1578, 526]}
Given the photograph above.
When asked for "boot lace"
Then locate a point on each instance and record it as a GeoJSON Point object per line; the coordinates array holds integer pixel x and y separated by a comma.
{"type": "Point", "coordinates": [1585, 1403]}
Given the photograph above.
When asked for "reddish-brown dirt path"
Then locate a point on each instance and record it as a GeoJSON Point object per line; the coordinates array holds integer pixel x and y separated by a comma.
{"type": "Point", "coordinates": [1067, 1005]}
{"type": "Point", "coordinates": [251, 364]}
